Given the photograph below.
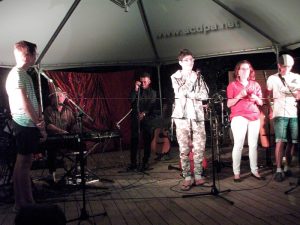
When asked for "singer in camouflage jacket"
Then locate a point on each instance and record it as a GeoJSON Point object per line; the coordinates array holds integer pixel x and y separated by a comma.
{"type": "Point", "coordinates": [190, 90]}
{"type": "Point", "coordinates": [194, 89]}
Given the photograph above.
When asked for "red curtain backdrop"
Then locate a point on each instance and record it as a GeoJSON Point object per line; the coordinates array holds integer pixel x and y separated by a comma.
{"type": "Point", "coordinates": [103, 96]}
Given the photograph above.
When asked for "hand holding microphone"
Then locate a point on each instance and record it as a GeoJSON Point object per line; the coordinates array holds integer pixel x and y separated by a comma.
{"type": "Point", "coordinates": [246, 92]}
{"type": "Point", "coordinates": [243, 93]}
{"type": "Point", "coordinates": [137, 85]}
{"type": "Point", "coordinates": [45, 75]}
{"type": "Point", "coordinates": [199, 75]}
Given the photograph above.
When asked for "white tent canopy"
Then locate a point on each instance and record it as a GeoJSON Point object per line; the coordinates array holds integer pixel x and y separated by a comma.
{"type": "Point", "coordinates": [100, 32]}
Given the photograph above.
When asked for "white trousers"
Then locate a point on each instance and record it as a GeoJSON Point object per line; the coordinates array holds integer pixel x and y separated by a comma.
{"type": "Point", "coordinates": [240, 126]}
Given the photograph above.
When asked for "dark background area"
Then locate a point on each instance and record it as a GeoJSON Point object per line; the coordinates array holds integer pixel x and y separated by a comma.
{"type": "Point", "coordinates": [214, 70]}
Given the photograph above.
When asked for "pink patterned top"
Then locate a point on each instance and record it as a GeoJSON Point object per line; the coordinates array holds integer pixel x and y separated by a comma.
{"type": "Point", "coordinates": [245, 107]}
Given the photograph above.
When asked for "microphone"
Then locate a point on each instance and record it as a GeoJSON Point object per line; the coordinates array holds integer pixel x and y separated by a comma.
{"type": "Point", "coordinates": [265, 76]}
{"type": "Point", "coordinates": [139, 84]}
{"type": "Point", "coordinates": [282, 79]}
{"type": "Point", "coordinates": [45, 75]}
{"type": "Point", "coordinates": [199, 75]}
{"type": "Point", "coordinates": [42, 73]}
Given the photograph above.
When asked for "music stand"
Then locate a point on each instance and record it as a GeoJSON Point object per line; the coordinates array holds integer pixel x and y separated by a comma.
{"type": "Point", "coordinates": [214, 190]}
{"type": "Point", "coordinates": [118, 125]}
{"type": "Point", "coordinates": [220, 164]}
{"type": "Point", "coordinates": [137, 120]}
{"type": "Point", "coordinates": [80, 113]}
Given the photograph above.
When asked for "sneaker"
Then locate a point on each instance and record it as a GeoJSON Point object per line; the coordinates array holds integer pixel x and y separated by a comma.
{"type": "Point", "coordinates": [288, 173]}
{"type": "Point", "coordinates": [279, 176]}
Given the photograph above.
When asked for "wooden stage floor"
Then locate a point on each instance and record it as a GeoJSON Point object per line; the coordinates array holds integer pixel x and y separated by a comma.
{"type": "Point", "coordinates": [155, 197]}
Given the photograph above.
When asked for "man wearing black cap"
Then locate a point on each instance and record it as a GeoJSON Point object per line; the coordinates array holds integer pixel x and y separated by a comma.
{"type": "Point", "coordinates": [284, 86]}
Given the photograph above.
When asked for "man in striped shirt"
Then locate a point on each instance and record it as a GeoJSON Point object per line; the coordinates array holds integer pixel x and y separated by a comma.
{"type": "Point", "coordinates": [28, 123]}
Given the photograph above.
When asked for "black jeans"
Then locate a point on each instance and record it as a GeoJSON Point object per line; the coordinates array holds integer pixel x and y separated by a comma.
{"type": "Point", "coordinates": [146, 132]}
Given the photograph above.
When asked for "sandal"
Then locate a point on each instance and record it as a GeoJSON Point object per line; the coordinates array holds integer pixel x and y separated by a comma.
{"type": "Point", "coordinates": [257, 176]}
{"type": "Point", "coordinates": [186, 185]}
{"type": "Point", "coordinates": [237, 178]}
{"type": "Point", "coordinates": [199, 182]}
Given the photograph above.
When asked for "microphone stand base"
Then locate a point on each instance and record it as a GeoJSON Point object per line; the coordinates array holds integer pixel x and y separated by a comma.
{"type": "Point", "coordinates": [214, 192]}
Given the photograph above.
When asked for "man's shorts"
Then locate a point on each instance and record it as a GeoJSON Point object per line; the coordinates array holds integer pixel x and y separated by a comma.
{"type": "Point", "coordinates": [27, 139]}
{"type": "Point", "coordinates": [286, 129]}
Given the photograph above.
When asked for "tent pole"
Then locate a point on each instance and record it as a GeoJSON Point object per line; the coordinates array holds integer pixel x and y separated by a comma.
{"type": "Point", "coordinates": [277, 56]}
{"type": "Point", "coordinates": [159, 88]}
{"type": "Point", "coordinates": [40, 87]}
{"type": "Point", "coordinates": [245, 21]}
{"type": "Point", "coordinates": [38, 61]}
{"type": "Point", "coordinates": [147, 28]}
{"type": "Point", "coordinates": [58, 29]}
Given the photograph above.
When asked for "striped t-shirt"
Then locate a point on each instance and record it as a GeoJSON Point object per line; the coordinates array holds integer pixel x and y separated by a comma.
{"type": "Point", "coordinates": [19, 79]}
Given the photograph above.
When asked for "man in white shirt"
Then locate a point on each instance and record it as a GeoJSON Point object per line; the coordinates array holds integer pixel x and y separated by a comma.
{"type": "Point", "coordinates": [284, 86]}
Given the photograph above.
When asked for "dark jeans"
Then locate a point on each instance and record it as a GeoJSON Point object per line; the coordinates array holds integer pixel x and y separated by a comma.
{"type": "Point", "coordinates": [146, 132]}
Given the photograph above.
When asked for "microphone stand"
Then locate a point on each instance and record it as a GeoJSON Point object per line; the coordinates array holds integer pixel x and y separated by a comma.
{"type": "Point", "coordinates": [214, 190]}
{"type": "Point", "coordinates": [139, 125]}
{"type": "Point", "coordinates": [298, 114]}
{"type": "Point", "coordinates": [298, 150]}
{"type": "Point", "coordinates": [139, 130]}
{"type": "Point", "coordinates": [84, 215]}
{"type": "Point", "coordinates": [269, 163]}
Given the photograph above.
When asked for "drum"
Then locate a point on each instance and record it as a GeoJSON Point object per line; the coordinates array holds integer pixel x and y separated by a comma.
{"type": "Point", "coordinates": [220, 109]}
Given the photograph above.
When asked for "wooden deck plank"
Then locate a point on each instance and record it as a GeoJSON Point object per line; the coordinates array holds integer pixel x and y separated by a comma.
{"type": "Point", "coordinates": [229, 211]}
{"type": "Point", "coordinates": [277, 206]}
{"type": "Point", "coordinates": [175, 211]}
{"type": "Point", "coordinates": [156, 198]}
{"type": "Point", "coordinates": [127, 208]}
{"type": "Point", "coordinates": [132, 201]}
{"type": "Point", "coordinates": [165, 213]}
{"type": "Point", "coordinates": [142, 203]}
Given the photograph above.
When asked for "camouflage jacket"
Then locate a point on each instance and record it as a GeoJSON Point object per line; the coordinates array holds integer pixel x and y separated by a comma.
{"type": "Point", "coordinates": [189, 94]}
